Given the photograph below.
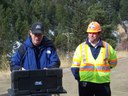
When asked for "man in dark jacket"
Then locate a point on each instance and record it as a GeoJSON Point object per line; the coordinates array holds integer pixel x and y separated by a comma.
{"type": "Point", "coordinates": [39, 51]}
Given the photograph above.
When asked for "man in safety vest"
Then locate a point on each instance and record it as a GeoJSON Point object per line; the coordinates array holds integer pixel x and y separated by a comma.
{"type": "Point", "coordinates": [92, 63]}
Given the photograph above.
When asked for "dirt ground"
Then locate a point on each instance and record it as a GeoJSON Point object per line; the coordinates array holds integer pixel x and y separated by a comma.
{"type": "Point", "coordinates": [119, 81]}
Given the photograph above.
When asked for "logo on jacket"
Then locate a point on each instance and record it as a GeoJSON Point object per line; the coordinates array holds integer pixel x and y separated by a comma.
{"type": "Point", "coordinates": [37, 83]}
{"type": "Point", "coordinates": [48, 52]}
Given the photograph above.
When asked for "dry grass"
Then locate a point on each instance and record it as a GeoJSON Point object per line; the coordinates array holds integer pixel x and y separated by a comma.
{"type": "Point", "coordinates": [65, 62]}
{"type": "Point", "coordinates": [122, 54]}
{"type": "Point", "coordinates": [4, 75]}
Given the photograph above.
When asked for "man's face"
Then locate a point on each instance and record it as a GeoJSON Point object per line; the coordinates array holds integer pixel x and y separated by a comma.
{"type": "Point", "coordinates": [36, 38]}
{"type": "Point", "coordinates": [94, 37]}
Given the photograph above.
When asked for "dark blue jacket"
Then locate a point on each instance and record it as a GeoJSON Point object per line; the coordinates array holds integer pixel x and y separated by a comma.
{"type": "Point", "coordinates": [44, 56]}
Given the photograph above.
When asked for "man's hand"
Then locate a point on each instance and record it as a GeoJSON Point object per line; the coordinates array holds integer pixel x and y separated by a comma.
{"type": "Point", "coordinates": [23, 68]}
{"type": "Point", "coordinates": [45, 68]}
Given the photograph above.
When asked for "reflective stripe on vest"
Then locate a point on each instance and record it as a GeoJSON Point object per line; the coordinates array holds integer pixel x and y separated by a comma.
{"type": "Point", "coordinates": [95, 70]}
{"type": "Point", "coordinates": [107, 48]}
{"type": "Point", "coordinates": [76, 63]}
{"type": "Point", "coordinates": [83, 52]}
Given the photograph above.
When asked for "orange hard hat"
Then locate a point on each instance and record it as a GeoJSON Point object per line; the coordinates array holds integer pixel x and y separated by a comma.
{"type": "Point", "coordinates": [94, 27]}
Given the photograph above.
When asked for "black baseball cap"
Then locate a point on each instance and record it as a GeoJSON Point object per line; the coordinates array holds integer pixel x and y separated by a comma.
{"type": "Point", "coordinates": [37, 28]}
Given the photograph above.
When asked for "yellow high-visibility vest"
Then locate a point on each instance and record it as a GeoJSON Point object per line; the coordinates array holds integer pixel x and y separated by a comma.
{"type": "Point", "coordinates": [94, 70]}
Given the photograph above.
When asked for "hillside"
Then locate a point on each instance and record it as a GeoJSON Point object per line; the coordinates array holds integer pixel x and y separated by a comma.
{"type": "Point", "coordinates": [121, 32]}
{"type": "Point", "coordinates": [123, 44]}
